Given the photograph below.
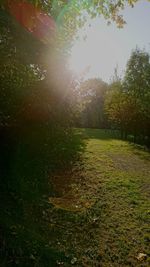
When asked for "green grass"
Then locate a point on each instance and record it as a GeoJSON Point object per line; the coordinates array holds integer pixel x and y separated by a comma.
{"type": "Point", "coordinates": [96, 213]}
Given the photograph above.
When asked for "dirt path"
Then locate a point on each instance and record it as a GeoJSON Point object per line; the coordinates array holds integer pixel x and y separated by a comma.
{"type": "Point", "coordinates": [100, 215]}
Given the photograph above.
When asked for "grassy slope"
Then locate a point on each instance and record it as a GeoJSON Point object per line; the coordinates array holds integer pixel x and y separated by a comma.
{"type": "Point", "coordinates": [97, 215]}
{"type": "Point", "coordinates": [103, 218]}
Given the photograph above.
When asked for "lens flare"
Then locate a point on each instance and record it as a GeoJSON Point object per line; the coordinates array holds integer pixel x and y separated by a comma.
{"type": "Point", "coordinates": [33, 19]}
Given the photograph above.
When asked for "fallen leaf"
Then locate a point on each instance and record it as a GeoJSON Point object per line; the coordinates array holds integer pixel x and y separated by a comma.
{"type": "Point", "coordinates": [141, 256]}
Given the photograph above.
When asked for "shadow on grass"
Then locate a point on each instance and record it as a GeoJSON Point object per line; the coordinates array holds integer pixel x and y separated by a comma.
{"type": "Point", "coordinates": [28, 157]}
{"type": "Point", "coordinates": [37, 153]}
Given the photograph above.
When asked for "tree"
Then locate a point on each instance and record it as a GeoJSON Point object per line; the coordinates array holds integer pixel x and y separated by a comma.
{"type": "Point", "coordinates": [121, 109]}
{"type": "Point", "coordinates": [127, 101]}
{"type": "Point", "coordinates": [137, 85]}
{"type": "Point", "coordinates": [137, 75]}
{"type": "Point", "coordinates": [92, 93]}
{"type": "Point", "coordinates": [69, 14]}
{"type": "Point", "coordinates": [29, 100]}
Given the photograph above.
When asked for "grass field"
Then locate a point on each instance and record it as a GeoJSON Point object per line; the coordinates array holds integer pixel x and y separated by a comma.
{"type": "Point", "coordinates": [98, 213]}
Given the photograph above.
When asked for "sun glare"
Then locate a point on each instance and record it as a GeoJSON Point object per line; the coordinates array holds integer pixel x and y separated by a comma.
{"type": "Point", "coordinates": [79, 61]}
{"type": "Point", "coordinates": [82, 57]}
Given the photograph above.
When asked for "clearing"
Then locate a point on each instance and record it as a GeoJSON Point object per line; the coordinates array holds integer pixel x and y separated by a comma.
{"type": "Point", "coordinates": [100, 213]}
{"type": "Point", "coordinates": [97, 213]}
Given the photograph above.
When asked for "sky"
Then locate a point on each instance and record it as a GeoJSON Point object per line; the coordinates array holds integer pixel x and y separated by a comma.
{"type": "Point", "coordinates": [107, 47]}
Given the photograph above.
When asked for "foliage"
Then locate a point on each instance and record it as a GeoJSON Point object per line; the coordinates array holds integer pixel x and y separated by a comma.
{"type": "Point", "coordinates": [127, 102]}
{"type": "Point", "coordinates": [137, 84]}
{"type": "Point", "coordinates": [137, 75]}
{"type": "Point", "coordinates": [70, 15]}
{"type": "Point", "coordinates": [35, 108]}
{"type": "Point", "coordinates": [91, 100]}
{"type": "Point", "coordinates": [109, 9]}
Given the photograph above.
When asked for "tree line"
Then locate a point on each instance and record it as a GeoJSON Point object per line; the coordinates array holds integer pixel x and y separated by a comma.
{"type": "Point", "coordinates": [124, 104]}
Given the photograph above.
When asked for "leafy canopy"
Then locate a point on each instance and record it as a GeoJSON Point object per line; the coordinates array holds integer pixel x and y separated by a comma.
{"type": "Point", "coordinates": [62, 10]}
